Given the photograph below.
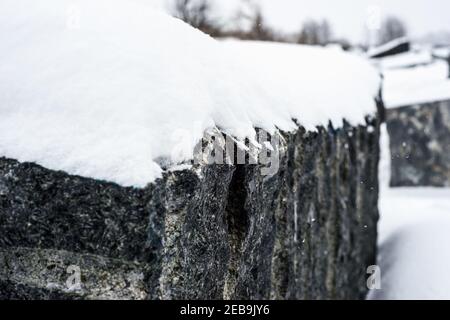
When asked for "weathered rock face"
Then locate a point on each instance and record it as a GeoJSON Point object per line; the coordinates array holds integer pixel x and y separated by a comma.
{"type": "Point", "coordinates": [420, 144]}
{"type": "Point", "coordinates": [209, 232]}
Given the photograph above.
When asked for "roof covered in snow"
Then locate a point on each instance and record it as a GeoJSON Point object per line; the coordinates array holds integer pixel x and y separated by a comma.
{"type": "Point", "coordinates": [406, 60]}
{"type": "Point", "coordinates": [396, 46]}
{"type": "Point", "coordinates": [104, 88]}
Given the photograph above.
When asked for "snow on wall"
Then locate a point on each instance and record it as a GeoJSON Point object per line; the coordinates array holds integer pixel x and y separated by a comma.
{"type": "Point", "coordinates": [103, 88]}
{"type": "Point", "coordinates": [423, 84]}
{"type": "Point", "coordinates": [313, 85]}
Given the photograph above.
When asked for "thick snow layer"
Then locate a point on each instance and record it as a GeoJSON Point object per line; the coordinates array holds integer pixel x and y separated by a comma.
{"type": "Point", "coordinates": [414, 239]}
{"type": "Point", "coordinates": [107, 88]}
{"type": "Point", "coordinates": [310, 83]}
{"type": "Point", "coordinates": [417, 85]}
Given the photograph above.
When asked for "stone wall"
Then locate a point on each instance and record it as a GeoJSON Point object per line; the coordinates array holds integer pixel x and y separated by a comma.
{"type": "Point", "coordinates": [209, 232]}
{"type": "Point", "coordinates": [420, 144]}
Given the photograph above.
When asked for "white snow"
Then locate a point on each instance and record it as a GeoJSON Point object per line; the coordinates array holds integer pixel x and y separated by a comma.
{"type": "Point", "coordinates": [405, 60]}
{"type": "Point", "coordinates": [414, 77]}
{"type": "Point", "coordinates": [414, 244]}
{"type": "Point", "coordinates": [309, 83]}
{"type": "Point", "coordinates": [443, 52]}
{"type": "Point", "coordinates": [410, 86]}
{"type": "Point", "coordinates": [108, 88]}
{"type": "Point", "coordinates": [414, 237]}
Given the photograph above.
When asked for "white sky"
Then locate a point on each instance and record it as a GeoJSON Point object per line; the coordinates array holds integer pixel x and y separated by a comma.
{"type": "Point", "coordinates": [348, 17]}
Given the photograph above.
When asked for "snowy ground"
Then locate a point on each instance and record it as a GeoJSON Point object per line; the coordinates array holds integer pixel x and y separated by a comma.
{"type": "Point", "coordinates": [414, 240]}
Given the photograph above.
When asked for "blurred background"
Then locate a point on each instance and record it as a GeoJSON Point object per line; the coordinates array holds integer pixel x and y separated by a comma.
{"type": "Point", "coordinates": [353, 24]}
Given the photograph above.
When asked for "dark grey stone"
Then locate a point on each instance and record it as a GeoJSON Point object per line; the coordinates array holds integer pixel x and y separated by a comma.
{"type": "Point", "coordinates": [420, 144]}
{"type": "Point", "coordinates": [209, 232]}
{"type": "Point", "coordinates": [310, 230]}
{"type": "Point", "coordinates": [54, 276]}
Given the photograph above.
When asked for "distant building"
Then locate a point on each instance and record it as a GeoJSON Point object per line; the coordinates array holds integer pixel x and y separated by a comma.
{"type": "Point", "coordinates": [394, 47]}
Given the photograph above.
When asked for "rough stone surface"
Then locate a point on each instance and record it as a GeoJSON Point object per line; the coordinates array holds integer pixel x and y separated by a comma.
{"type": "Point", "coordinates": [57, 278]}
{"type": "Point", "coordinates": [420, 144]}
{"type": "Point", "coordinates": [209, 232]}
{"type": "Point", "coordinates": [311, 229]}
